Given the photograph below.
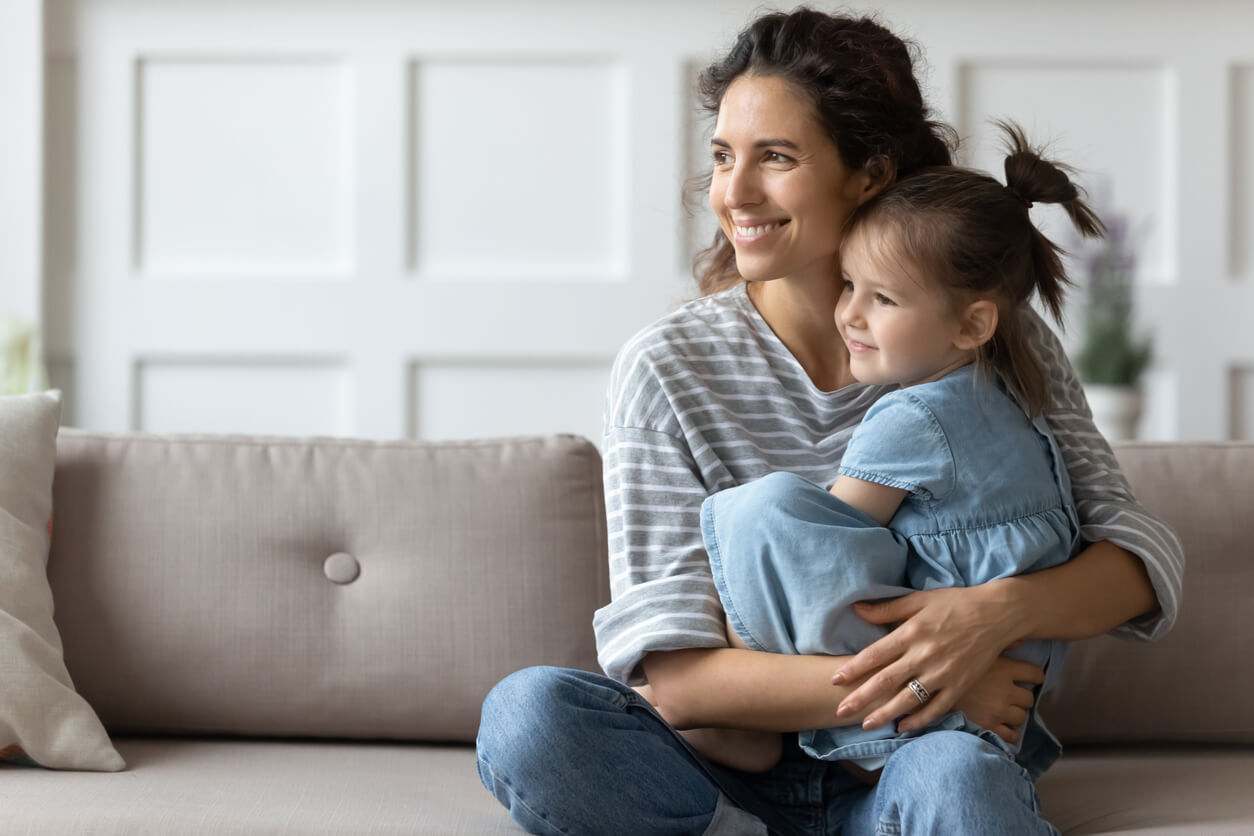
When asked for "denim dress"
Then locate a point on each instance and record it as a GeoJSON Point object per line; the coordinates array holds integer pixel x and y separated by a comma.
{"type": "Point", "coordinates": [987, 497]}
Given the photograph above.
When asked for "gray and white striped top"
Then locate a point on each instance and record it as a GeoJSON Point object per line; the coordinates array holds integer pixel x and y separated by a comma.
{"type": "Point", "coordinates": [708, 397]}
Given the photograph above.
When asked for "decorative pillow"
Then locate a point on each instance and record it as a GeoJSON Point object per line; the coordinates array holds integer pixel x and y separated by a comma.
{"type": "Point", "coordinates": [43, 720]}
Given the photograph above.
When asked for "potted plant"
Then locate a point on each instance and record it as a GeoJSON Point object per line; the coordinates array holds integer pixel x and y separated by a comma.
{"type": "Point", "coordinates": [1112, 357]}
{"type": "Point", "coordinates": [21, 370]}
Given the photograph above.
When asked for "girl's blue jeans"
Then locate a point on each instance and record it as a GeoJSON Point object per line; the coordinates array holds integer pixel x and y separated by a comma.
{"type": "Point", "coordinates": [572, 752]}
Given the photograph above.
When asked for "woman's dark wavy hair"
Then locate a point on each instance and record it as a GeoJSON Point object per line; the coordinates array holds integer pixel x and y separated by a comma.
{"type": "Point", "coordinates": [972, 236]}
{"type": "Point", "coordinates": [860, 77]}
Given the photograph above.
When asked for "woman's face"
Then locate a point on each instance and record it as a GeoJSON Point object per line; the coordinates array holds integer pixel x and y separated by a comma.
{"type": "Point", "coordinates": [780, 189]}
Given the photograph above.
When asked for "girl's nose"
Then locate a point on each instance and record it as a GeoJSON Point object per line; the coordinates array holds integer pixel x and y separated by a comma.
{"type": "Point", "coordinates": [848, 310]}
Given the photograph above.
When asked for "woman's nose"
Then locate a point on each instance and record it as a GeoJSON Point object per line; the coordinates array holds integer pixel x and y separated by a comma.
{"type": "Point", "coordinates": [742, 189]}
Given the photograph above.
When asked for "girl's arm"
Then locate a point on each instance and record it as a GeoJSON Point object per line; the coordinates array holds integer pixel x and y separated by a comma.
{"type": "Point", "coordinates": [879, 502]}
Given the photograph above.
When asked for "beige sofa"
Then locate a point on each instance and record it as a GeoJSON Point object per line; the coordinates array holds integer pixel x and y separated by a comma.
{"type": "Point", "coordinates": [294, 636]}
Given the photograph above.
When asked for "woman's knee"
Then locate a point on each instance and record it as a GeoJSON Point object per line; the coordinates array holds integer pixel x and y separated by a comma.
{"type": "Point", "coordinates": [528, 713]}
{"type": "Point", "coordinates": [955, 761]}
{"type": "Point", "coordinates": [954, 782]}
{"type": "Point", "coordinates": [960, 768]}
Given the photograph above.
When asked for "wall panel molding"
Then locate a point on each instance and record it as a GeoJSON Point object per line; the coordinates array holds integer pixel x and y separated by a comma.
{"type": "Point", "coordinates": [243, 166]}
{"type": "Point", "coordinates": [541, 143]}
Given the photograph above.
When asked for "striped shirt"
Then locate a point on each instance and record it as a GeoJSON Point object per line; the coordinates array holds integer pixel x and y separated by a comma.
{"type": "Point", "coordinates": [708, 397]}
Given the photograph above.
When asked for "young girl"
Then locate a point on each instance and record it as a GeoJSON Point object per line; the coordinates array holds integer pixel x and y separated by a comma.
{"type": "Point", "coordinates": [952, 480]}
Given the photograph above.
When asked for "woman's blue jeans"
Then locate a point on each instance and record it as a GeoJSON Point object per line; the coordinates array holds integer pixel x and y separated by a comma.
{"type": "Point", "coordinates": [572, 752]}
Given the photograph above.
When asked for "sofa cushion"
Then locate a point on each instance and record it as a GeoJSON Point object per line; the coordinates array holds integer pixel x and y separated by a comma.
{"type": "Point", "coordinates": [232, 788]}
{"type": "Point", "coordinates": [321, 587]}
{"type": "Point", "coordinates": [42, 719]}
{"type": "Point", "coordinates": [1165, 790]}
{"type": "Point", "coordinates": [1194, 684]}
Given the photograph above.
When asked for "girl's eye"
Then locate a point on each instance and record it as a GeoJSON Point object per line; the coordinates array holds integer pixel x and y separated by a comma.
{"type": "Point", "coordinates": [848, 285]}
{"type": "Point", "coordinates": [884, 300]}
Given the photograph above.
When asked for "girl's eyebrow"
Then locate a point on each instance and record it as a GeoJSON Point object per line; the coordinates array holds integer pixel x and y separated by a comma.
{"type": "Point", "coordinates": [761, 143]}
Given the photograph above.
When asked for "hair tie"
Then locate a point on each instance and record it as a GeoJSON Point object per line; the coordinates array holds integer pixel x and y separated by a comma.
{"type": "Point", "coordinates": [1027, 203]}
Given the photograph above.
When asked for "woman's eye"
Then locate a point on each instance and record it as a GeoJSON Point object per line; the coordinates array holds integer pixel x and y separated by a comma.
{"type": "Point", "coordinates": [776, 157]}
{"type": "Point", "coordinates": [720, 157]}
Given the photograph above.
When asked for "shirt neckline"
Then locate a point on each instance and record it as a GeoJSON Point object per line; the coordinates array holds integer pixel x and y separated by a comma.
{"type": "Point", "coordinates": [740, 295]}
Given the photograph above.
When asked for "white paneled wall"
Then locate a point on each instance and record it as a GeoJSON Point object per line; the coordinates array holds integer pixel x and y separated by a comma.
{"type": "Point", "coordinates": [440, 220]}
{"type": "Point", "coordinates": [243, 167]}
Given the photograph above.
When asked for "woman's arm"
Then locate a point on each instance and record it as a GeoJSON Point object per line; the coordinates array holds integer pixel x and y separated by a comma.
{"type": "Point", "coordinates": [767, 692]}
{"type": "Point", "coordinates": [1099, 589]}
{"type": "Point", "coordinates": [746, 689]}
{"type": "Point", "coordinates": [1110, 514]}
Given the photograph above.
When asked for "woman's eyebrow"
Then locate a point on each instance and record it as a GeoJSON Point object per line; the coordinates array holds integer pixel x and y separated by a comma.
{"type": "Point", "coordinates": [761, 143]}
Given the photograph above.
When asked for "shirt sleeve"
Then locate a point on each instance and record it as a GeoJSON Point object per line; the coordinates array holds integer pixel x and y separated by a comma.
{"type": "Point", "coordinates": [901, 444]}
{"type": "Point", "coordinates": [662, 593]}
{"type": "Point", "coordinates": [1103, 497]}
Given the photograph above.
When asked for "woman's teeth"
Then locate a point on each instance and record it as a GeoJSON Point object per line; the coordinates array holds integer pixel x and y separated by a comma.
{"type": "Point", "coordinates": [750, 231]}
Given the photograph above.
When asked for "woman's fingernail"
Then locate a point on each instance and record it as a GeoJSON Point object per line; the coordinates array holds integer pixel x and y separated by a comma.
{"type": "Point", "coordinates": [869, 723]}
{"type": "Point", "coordinates": [838, 678]}
{"type": "Point", "coordinates": [843, 710]}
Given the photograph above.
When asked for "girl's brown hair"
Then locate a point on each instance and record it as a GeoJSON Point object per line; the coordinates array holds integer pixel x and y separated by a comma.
{"type": "Point", "coordinates": [972, 235]}
{"type": "Point", "coordinates": [860, 77]}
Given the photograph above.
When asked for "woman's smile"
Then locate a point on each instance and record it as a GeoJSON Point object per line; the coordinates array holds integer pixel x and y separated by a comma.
{"type": "Point", "coordinates": [748, 232]}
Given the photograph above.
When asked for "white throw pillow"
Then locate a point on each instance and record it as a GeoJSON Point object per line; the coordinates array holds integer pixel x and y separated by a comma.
{"type": "Point", "coordinates": [43, 720]}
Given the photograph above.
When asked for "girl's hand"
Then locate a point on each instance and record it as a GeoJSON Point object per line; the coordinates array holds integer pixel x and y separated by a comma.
{"type": "Point", "coordinates": [998, 702]}
{"type": "Point", "coordinates": [947, 639]}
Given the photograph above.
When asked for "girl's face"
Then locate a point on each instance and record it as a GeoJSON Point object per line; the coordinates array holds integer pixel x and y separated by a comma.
{"type": "Point", "coordinates": [898, 326]}
{"type": "Point", "coordinates": [779, 187]}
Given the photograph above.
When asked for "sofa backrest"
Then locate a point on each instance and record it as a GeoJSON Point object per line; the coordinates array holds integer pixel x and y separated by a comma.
{"type": "Point", "coordinates": [325, 588]}
{"type": "Point", "coordinates": [1195, 684]}
{"type": "Point", "coordinates": [195, 581]}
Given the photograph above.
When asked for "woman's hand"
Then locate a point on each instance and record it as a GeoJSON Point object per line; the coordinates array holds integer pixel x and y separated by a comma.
{"type": "Point", "coordinates": [947, 639]}
{"type": "Point", "coordinates": [998, 702]}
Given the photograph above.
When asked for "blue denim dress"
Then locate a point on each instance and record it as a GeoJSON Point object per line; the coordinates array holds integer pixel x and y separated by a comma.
{"type": "Point", "coordinates": [988, 497]}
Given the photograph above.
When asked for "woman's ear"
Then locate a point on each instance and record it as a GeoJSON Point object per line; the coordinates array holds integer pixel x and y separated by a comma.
{"type": "Point", "coordinates": [877, 174]}
{"type": "Point", "coordinates": [979, 323]}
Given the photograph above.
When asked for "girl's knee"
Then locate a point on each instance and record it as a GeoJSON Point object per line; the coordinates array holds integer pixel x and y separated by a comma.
{"type": "Point", "coordinates": [746, 510]}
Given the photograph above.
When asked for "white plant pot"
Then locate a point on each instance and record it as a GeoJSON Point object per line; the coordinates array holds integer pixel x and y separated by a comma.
{"type": "Point", "coordinates": [1116, 409]}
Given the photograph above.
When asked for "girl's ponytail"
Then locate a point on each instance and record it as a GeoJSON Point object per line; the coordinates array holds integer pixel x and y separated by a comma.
{"type": "Point", "coordinates": [1033, 179]}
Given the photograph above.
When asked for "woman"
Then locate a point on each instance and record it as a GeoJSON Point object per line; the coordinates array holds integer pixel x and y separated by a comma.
{"type": "Point", "coordinates": [815, 114]}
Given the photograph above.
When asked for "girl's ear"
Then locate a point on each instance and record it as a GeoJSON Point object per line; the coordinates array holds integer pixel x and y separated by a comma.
{"type": "Point", "coordinates": [979, 323]}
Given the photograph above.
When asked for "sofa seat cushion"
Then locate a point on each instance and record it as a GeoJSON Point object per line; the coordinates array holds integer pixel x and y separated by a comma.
{"type": "Point", "coordinates": [1165, 790]}
{"type": "Point", "coordinates": [198, 786]}
{"type": "Point", "coordinates": [220, 787]}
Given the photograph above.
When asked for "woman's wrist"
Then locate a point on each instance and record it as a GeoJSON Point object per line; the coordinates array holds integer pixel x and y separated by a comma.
{"type": "Point", "coordinates": [1017, 605]}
